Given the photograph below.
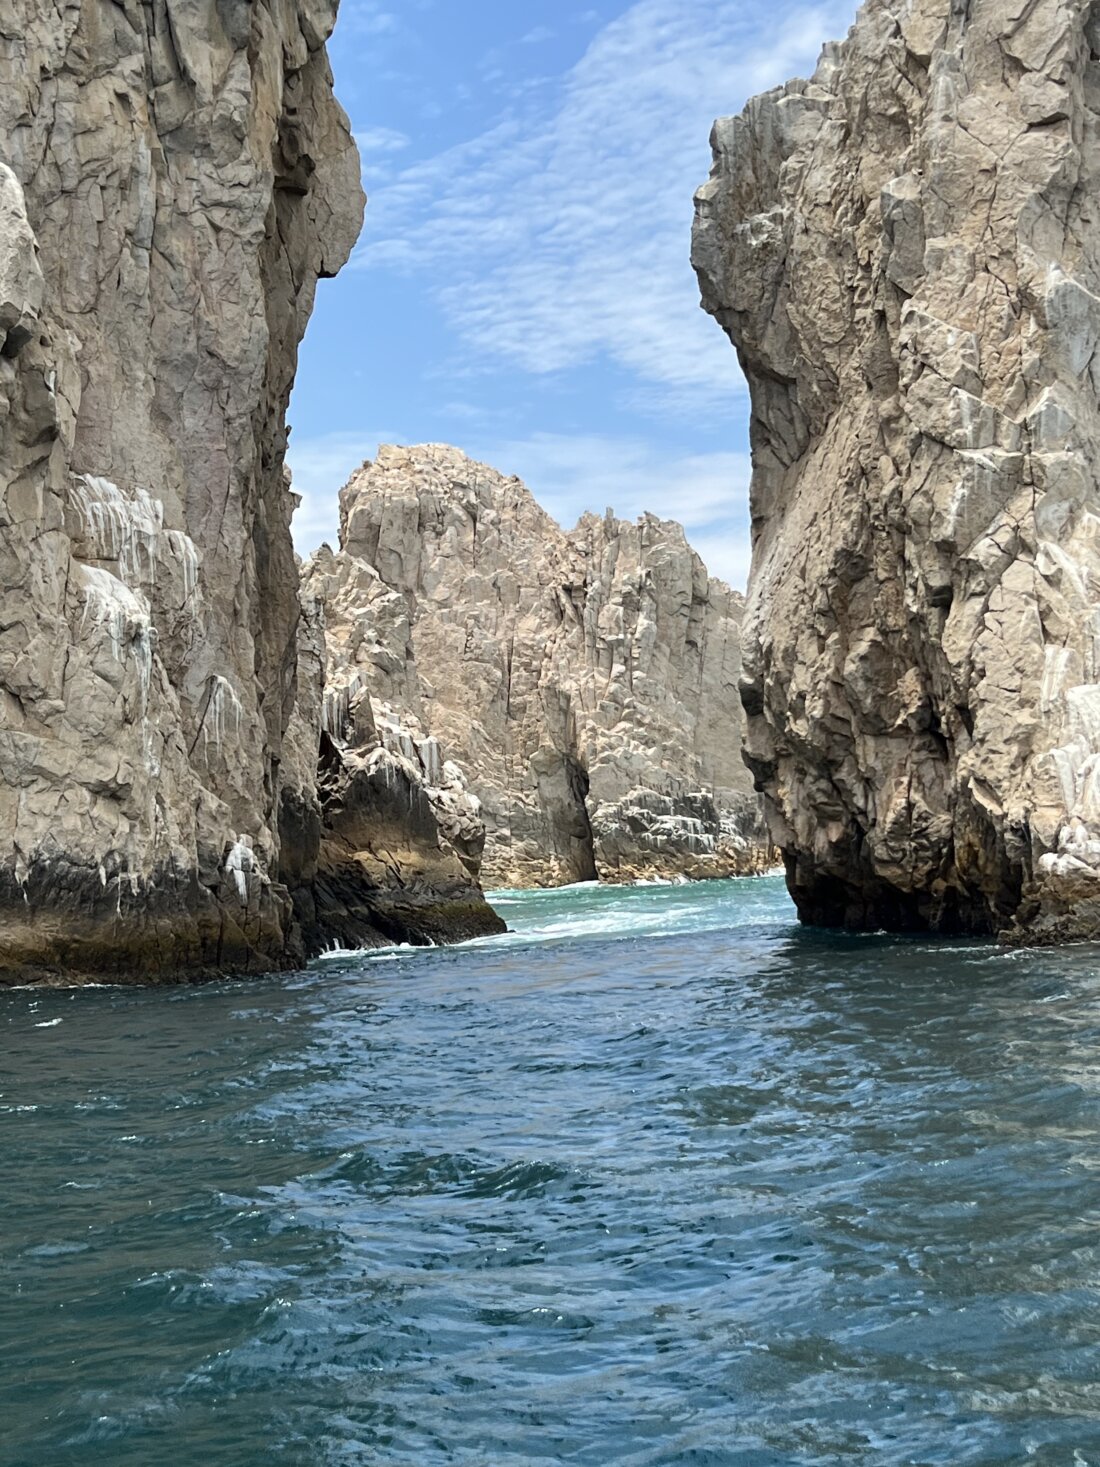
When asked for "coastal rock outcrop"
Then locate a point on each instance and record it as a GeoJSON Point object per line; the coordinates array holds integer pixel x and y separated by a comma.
{"type": "Point", "coordinates": [905, 252]}
{"type": "Point", "coordinates": [576, 693]}
{"type": "Point", "coordinates": [174, 178]}
{"type": "Point", "coordinates": [376, 849]}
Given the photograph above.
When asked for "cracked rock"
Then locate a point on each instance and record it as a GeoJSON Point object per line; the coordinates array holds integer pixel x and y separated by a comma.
{"type": "Point", "coordinates": [905, 252]}
{"type": "Point", "coordinates": [173, 180]}
{"type": "Point", "coordinates": [570, 700]}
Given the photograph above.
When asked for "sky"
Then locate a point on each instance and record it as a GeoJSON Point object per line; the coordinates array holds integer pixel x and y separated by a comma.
{"type": "Point", "coordinates": [522, 287]}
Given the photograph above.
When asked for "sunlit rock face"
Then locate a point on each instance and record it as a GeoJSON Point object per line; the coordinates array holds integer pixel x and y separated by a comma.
{"type": "Point", "coordinates": [570, 700]}
{"type": "Point", "coordinates": [174, 178]}
{"type": "Point", "coordinates": [905, 252]}
{"type": "Point", "coordinates": [381, 843]}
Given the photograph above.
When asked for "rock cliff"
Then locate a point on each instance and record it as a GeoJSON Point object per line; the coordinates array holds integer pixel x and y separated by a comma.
{"type": "Point", "coordinates": [375, 848]}
{"type": "Point", "coordinates": [174, 177]}
{"type": "Point", "coordinates": [905, 252]}
{"type": "Point", "coordinates": [578, 691]}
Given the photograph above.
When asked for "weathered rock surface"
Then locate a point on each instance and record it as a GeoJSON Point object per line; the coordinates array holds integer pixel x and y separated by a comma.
{"type": "Point", "coordinates": [174, 177]}
{"type": "Point", "coordinates": [577, 692]}
{"type": "Point", "coordinates": [375, 850]}
{"type": "Point", "coordinates": [906, 252]}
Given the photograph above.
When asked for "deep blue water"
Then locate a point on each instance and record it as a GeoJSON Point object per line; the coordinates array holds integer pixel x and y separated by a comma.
{"type": "Point", "coordinates": [659, 1179]}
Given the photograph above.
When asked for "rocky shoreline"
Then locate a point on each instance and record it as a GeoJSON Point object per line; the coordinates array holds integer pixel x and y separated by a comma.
{"type": "Point", "coordinates": [214, 760]}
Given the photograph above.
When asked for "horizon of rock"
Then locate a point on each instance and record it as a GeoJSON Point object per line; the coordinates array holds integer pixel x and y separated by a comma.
{"type": "Point", "coordinates": [609, 512]}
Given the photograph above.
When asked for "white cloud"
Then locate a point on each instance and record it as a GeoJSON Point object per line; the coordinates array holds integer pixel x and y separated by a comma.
{"type": "Point", "coordinates": [366, 18]}
{"type": "Point", "coordinates": [537, 36]}
{"type": "Point", "coordinates": [320, 467]}
{"type": "Point", "coordinates": [706, 492]}
{"type": "Point", "coordinates": [558, 239]}
{"type": "Point", "coordinates": [378, 150]}
{"type": "Point", "coordinates": [726, 552]}
{"type": "Point", "coordinates": [372, 141]}
{"type": "Point", "coordinates": [560, 236]}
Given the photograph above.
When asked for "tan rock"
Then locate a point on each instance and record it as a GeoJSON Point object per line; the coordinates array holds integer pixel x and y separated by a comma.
{"type": "Point", "coordinates": [576, 692]}
{"type": "Point", "coordinates": [904, 252]}
{"type": "Point", "coordinates": [380, 843]}
{"type": "Point", "coordinates": [174, 179]}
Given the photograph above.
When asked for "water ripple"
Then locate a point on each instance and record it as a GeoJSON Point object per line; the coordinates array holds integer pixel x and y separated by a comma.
{"type": "Point", "coordinates": [657, 1179]}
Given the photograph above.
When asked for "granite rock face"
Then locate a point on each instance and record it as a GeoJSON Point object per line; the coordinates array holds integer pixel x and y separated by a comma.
{"type": "Point", "coordinates": [174, 177]}
{"type": "Point", "coordinates": [570, 700]}
{"type": "Point", "coordinates": [376, 850]}
{"type": "Point", "coordinates": [905, 251]}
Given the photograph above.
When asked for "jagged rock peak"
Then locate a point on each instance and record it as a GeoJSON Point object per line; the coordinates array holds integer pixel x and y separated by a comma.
{"type": "Point", "coordinates": [906, 254]}
{"type": "Point", "coordinates": [581, 687]}
{"type": "Point", "coordinates": [173, 180]}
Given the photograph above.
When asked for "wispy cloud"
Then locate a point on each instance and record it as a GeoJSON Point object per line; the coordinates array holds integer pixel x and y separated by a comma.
{"type": "Point", "coordinates": [560, 236]}
{"type": "Point", "coordinates": [367, 18]}
{"type": "Point", "coordinates": [372, 141]}
{"type": "Point", "coordinates": [378, 150]}
{"type": "Point", "coordinates": [706, 492]}
{"type": "Point", "coordinates": [554, 244]}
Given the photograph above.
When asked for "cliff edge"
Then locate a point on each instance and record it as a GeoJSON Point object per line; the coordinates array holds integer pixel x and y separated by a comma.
{"type": "Point", "coordinates": [173, 181]}
{"type": "Point", "coordinates": [904, 251]}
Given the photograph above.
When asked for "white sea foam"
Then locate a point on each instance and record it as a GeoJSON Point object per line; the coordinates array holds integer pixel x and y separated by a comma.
{"type": "Point", "coordinates": [591, 910]}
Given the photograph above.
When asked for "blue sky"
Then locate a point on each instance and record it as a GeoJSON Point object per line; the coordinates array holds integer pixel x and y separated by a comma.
{"type": "Point", "coordinates": [522, 286]}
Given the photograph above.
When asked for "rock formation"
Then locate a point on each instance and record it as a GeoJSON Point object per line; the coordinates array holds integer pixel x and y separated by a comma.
{"type": "Point", "coordinates": [173, 180]}
{"type": "Point", "coordinates": [375, 849]}
{"type": "Point", "coordinates": [581, 687]}
{"type": "Point", "coordinates": [905, 251]}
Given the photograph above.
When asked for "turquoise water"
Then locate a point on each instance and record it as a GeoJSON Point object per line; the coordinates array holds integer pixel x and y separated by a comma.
{"type": "Point", "coordinates": [658, 1179]}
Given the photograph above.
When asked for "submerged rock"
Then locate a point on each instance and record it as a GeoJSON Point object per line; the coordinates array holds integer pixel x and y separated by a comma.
{"type": "Point", "coordinates": [570, 700]}
{"type": "Point", "coordinates": [904, 251]}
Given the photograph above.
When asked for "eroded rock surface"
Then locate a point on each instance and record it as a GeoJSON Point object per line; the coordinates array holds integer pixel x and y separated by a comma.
{"type": "Point", "coordinates": [378, 846]}
{"type": "Point", "coordinates": [174, 177]}
{"type": "Point", "coordinates": [905, 251]}
{"type": "Point", "coordinates": [575, 692]}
